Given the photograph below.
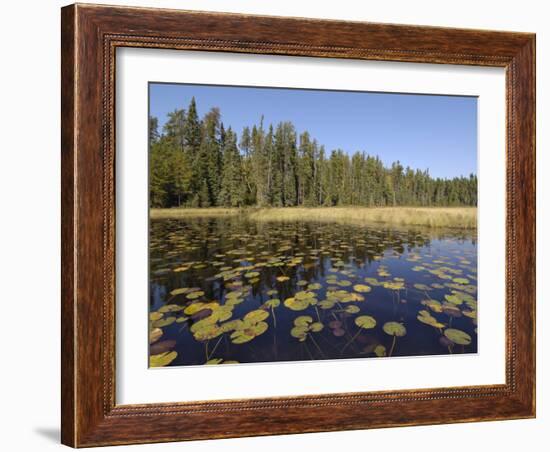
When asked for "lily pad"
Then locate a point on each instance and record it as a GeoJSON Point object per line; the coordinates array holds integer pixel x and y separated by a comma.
{"type": "Point", "coordinates": [273, 303]}
{"type": "Point", "coordinates": [394, 329]}
{"type": "Point", "coordinates": [164, 322]}
{"type": "Point", "coordinates": [428, 319]}
{"type": "Point", "coordinates": [303, 320]}
{"type": "Point", "coordinates": [155, 316]}
{"type": "Point", "coordinates": [352, 309]}
{"type": "Point", "coordinates": [457, 336]}
{"type": "Point", "coordinates": [256, 316]}
{"type": "Point", "coordinates": [362, 288]}
{"type": "Point", "coordinates": [365, 321]}
{"type": "Point", "coordinates": [162, 359]}
{"type": "Point", "coordinates": [154, 335]}
{"type": "Point", "coordinates": [248, 333]}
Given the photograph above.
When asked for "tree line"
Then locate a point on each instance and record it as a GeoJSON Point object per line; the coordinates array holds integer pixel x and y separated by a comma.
{"type": "Point", "coordinates": [197, 162]}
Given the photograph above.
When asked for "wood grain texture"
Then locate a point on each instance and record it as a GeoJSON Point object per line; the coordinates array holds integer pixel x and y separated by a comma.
{"type": "Point", "coordinates": [90, 36]}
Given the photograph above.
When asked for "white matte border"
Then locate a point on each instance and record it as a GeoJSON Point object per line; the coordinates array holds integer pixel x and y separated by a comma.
{"type": "Point", "coordinates": [135, 383]}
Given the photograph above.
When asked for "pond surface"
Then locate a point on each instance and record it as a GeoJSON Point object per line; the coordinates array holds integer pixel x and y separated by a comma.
{"type": "Point", "coordinates": [228, 290]}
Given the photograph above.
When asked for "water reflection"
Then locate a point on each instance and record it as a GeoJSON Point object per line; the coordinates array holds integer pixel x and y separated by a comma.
{"type": "Point", "coordinates": [228, 290]}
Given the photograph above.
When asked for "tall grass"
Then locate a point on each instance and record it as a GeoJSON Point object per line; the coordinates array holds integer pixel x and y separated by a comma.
{"type": "Point", "coordinates": [433, 217]}
{"type": "Point", "coordinates": [192, 212]}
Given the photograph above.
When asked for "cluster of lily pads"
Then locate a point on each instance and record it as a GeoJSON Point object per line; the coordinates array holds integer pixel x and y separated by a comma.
{"type": "Point", "coordinates": [234, 287]}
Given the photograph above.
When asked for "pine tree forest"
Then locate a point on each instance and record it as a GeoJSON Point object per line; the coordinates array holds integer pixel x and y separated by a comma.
{"type": "Point", "coordinates": [198, 162]}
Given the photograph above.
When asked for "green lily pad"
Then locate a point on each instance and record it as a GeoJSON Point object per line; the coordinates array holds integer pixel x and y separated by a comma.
{"type": "Point", "coordinates": [162, 359]}
{"type": "Point", "coordinates": [256, 316]}
{"type": "Point", "coordinates": [154, 335]}
{"type": "Point", "coordinates": [164, 322]}
{"type": "Point", "coordinates": [457, 336]}
{"type": "Point", "coordinates": [273, 303]}
{"type": "Point", "coordinates": [316, 327]}
{"type": "Point", "coordinates": [365, 321]}
{"type": "Point", "coordinates": [303, 320]}
{"type": "Point", "coordinates": [155, 316]}
{"type": "Point", "coordinates": [393, 285]}
{"type": "Point", "coordinates": [296, 304]}
{"type": "Point", "coordinates": [394, 329]}
{"type": "Point", "coordinates": [361, 288]}
{"type": "Point", "coordinates": [428, 319]}
{"type": "Point", "coordinates": [195, 295]}
{"type": "Point", "coordinates": [248, 333]}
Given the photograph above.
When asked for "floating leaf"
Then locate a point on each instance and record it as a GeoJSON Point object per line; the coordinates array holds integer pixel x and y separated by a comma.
{"type": "Point", "coordinates": [316, 327]}
{"type": "Point", "coordinates": [380, 351]}
{"type": "Point", "coordinates": [282, 278]}
{"type": "Point", "coordinates": [155, 316]}
{"type": "Point", "coordinates": [361, 288]}
{"type": "Point", "coordinates": [352, 309]}
{"type": "Point", "coordinates": [365, 321]}
{"type": "Point", "coordinates": [422, 287]}
{"type": "Point", "coordinates": [303, 325]}
{"type": "Point", "coordinates": [273, 303]}
{"type": "Point", "coordinates": [248, 333]}
{"type": "Point", "coordinates": [162, 359]}
{"type": "Point", "coordinates": [453, 299]}
{"type": "Point", "coordinates": [256, 316]}
{"type": "Point", "coordinates": [394, 329]}
{"type": "Point", "coordinates": [164, 322]}
{"type": "Point", "coordinates": [303, 320]}
{"type": "Point", "coordinates": [295, 304]}
{"type": "Point", "coordinates": [457, 336]}
{"type": "Point", "coordinates": [154, 335]}
{"type": "Point", "coordinates": [428, 319]}
{"type": "Point", "coordinates": [470, 314]}
{"type": "Point", "coordinates": [434, 305]}
{"type": "Point", "coordinates": [327, 304]}
{"type": "Point", "coordinates": [299, 332]}
{"type": "Point", "coordinates": [214, 361]}
{"type": "Point", "coordinates": [393, 285]}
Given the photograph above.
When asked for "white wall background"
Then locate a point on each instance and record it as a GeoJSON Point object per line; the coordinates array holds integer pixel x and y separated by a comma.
{"type": "Point", "coordinates": [29, 230]}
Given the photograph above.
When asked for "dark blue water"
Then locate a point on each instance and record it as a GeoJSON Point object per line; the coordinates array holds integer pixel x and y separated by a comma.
{"type": "Point", "coordinates": [405, 272]}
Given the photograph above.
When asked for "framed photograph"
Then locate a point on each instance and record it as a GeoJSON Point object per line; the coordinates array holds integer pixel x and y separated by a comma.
{"type": "Point", "coordinates": [280, 225]}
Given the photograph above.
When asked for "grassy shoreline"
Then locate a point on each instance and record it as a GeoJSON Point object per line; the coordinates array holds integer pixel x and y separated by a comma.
{"type": "Point", "coordinates": [434, 217]}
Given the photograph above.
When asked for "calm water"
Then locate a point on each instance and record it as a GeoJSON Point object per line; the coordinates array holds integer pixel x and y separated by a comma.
{"type": "Point", "coordinates": [229, 290]}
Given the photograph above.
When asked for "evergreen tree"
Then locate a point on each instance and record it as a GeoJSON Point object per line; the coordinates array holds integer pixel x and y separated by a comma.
{"type": "Point", "coordinates": [232, 183]}
{"type": "Point", "coordinates": [211, 154]}
{"type": "Point", "coordinates": [153, 130]}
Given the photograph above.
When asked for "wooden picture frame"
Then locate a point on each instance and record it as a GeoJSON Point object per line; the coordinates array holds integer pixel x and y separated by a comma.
{"type": "Point", "coordinates": [90, 36]}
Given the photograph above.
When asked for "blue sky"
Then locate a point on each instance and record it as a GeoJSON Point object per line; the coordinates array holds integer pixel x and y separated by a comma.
{"type": "Point", "coordinates": [432, 132]}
